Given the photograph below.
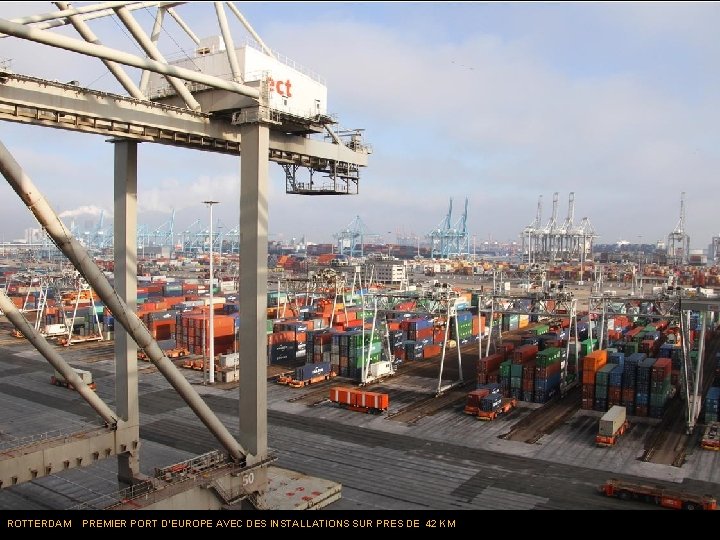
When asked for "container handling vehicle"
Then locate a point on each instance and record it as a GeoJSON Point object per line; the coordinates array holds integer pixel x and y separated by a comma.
{"type": "Point", "coordinates": [486, 403]}
{"type": "Point", "coordinates": [308, 374]}
{"type": "Point", "coordinates": [669, 498]}
{"type": "Point", "coordinates": [612, 425]}
{"type": "Point", "coordinates": [58, 380]}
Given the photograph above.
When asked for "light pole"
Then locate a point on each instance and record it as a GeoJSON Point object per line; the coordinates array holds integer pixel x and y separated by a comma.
{"type": "Point", "coordinates": [211, 352]}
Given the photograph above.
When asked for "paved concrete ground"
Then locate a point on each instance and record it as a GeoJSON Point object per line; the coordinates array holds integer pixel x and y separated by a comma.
{"type": "Point", "coordinates": [447, 460]}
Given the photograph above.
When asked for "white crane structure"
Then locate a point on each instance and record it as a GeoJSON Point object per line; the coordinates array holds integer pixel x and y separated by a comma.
{"type": "Point", "coordinates": [678, 241]}
{"type": "Point", "coordinates": [556, 241]}
{"type": "Point", "coordinates": [530, 235]}
{"type": "Point", "coordinates": [241, 101]}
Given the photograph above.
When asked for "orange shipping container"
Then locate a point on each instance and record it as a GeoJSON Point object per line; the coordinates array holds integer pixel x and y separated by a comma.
{"type": "Point", "coordinates": [588, 377]}
{"type": "Point", "coordinates": [432, 350]}
{"type": "Point", "coordinates": [341, 394]}
{"type": "Point", "coordinates": [600, 354]}
{"type": "Point", "coordinates": [372, 400]}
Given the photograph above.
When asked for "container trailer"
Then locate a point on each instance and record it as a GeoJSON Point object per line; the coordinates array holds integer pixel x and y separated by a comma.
{"type": "Point", "coordinates": [58, 380]}
{"type": "Point", "coordinates": [308, 374]}
{"type": "Point", "coordinates": [54, 330]}
{"type": "Point", "coordinates": [711, 437]}
{"type": "Point", "coordinates": [679, 500]}
{"type": "Point", "coordinates": [486, 403]}
{"type": "Point", "coordinates": [505, 406]}
{"type": "Point", "coordinates": [360, 400]}
{"type": "Point", "coordinates": [175, 352]}
{"type": "Point", "coordinates": [612, 425]}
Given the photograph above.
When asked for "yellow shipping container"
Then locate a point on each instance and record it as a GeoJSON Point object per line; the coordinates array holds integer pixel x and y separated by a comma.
{"type": "Point", "coordinates": [523, 321]}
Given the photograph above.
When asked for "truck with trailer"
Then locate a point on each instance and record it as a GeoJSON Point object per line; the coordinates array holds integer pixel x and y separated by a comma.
{"type": "Point", "coordinates": [58, 380]}
{"type": "Point", "coordinates": [308, 374]}
{"type": "Point", "coordinates": [611, 426]}
{"type": "Point", "coordinates": [669, 498]}
{"type": "Point", "coordinates": [54, 330]}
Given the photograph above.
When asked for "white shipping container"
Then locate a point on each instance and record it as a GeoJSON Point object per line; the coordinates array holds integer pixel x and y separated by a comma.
{"type": "Point", "coordinates": [227, 286]}
{"type": "Point", "coordinates": [217, 300]}
{"type": "Point", "coordinates": [229, 360]}
{"type": "Point", "coordinates": [380, 369]}
{"type": "Point", "coordinates": [230, 375]}
{"type": "Point", "coordinates": [612, 421]}
{"type": "Point", "coordinates": [55, 330]}
{"type": "Point", "coordinates": [86, 376]}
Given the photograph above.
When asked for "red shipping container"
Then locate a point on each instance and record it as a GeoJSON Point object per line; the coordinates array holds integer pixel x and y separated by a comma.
{"type": "Point", "coordinates": [507, 350]}
{"type": "Point", "coordinates": [524, 353]}
{"type": "Point", "coordinates": [547, 371]}
{"type": "Point", "coordinates": [588, 391]}
{"type": "Point", "coordinates": [628, 395]}
{"type": "Point", "coordinates": [490, 363]}
{"type": "Point", "coordinates": [661, 369]}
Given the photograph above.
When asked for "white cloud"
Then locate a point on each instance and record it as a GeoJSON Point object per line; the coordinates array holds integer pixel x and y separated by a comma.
{"type": "Point", "coordinates": [617, 102]}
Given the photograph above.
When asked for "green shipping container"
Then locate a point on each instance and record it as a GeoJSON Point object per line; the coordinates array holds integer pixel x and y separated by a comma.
{"type": "Point", "coordinates": [548, 356]}
{"type": "Point", "coordinates": [540, 329]}
{"type": "Point", "coordinates": [588, 346]}
{"type": "Point", "coordinates": [603, 375]}
{"type": "Point", "coordinates": [631, 347]}
{"type": "Point", "coordinates": [505, 368]}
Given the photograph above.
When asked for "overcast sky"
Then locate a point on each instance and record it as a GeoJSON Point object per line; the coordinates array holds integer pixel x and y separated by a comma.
{"type": "Point", "coordinates": [497, 102]}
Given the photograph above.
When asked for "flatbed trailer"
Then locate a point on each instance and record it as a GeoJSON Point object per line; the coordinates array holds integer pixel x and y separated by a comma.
{"type": "Point", "coordinates": [66, 342]}
{"type": "Point", "coordinates": [58, 380]}
{"type": "Point", "coordinates": [668, 498]}
{"type": "Point", "coordinates": [308, 374]}
{"type": "Point", "coordinates": [294, 383]}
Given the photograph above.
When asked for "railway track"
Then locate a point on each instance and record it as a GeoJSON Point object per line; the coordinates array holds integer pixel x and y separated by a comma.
{"type": "Point", "coordinates": [668, 443]}
{"type": "Point", "coordinates": [546, 419]}
{"type": "Point", "coordinates": [412, 413]}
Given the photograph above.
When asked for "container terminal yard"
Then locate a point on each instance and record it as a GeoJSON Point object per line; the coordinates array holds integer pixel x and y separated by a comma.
{"type": "Point", "coordinates": [225, 373]}
{"type": "Point", "coordinates": [434, 454]}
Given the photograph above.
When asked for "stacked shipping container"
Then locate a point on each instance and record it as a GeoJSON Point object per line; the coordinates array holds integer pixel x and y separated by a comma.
{"type": "Point", "coordinates": [547, 374]}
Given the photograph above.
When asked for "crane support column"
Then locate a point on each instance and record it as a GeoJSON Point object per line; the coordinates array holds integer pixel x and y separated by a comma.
{"type": "Point", "coordinates": [125, 234]}
{"type": "Point", "coordinates": [253, 290]}
{"type": "Point", "coordinates": [83, 262]}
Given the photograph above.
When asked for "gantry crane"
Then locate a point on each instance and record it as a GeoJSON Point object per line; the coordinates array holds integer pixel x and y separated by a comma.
{"type": "Point", "coordinates": [210, 109]}
{"type": "Point", "coordinates": [450, 239]}
{"type": "Point", "coordinates": [678, 241]}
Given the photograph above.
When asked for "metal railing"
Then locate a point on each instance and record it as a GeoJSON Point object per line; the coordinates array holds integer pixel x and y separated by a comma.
{"type": "Point", "coordinates": [55, 434]}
